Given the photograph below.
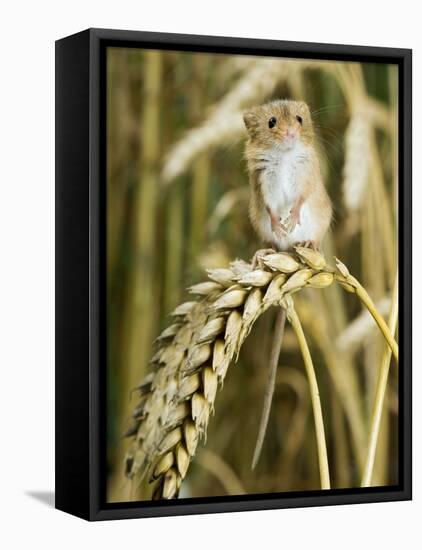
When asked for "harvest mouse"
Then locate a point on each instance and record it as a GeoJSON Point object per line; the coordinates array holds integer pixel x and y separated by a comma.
{"type": "Point", "coordinates": [289, 205]}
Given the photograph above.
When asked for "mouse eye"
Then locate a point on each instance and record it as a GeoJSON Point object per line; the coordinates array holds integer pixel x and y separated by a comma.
{"type": "Point", "coordinates": [299, 119]}
{"type": "Point", "coordinates": [272, 122]}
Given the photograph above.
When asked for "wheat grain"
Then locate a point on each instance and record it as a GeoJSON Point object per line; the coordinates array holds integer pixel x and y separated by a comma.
{"type": "Point", "coordinates": [311, 257]}
{"type": "Point", "coordinates": [281, 262]}
{"type": "Point", "coordinates": [320, 280]}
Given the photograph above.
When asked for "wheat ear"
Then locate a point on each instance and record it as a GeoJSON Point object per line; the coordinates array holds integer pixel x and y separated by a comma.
{"type": "Point", "coordinates": [193, 354]}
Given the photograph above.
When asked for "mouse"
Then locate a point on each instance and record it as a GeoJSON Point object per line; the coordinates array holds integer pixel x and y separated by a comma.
{"type": "Point", "coordinates": [288, 204]}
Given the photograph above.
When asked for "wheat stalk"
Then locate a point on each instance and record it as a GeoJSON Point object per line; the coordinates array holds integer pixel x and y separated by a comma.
{"type": "Point", "coordinates": [380, 394]}
{"type": "Point", "coordinates": [193, 354]}
{"type": "Point", "coordinates": [313, 386]}
{"type": "Point", "coordinates": [351, 284]}
{"type": "Point", "coordinates": [358, 330]}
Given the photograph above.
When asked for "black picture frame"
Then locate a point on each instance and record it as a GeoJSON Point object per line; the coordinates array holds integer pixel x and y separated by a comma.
{"type": "Point", "coordinates": [80, 272]}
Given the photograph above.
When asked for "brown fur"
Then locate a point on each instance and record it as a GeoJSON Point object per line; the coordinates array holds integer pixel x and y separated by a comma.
{"type": "Point", "coordinates": [310, 187]}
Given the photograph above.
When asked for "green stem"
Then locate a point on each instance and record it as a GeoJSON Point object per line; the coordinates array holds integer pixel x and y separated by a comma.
{"type": "Point", "coordinates": [380, 394]}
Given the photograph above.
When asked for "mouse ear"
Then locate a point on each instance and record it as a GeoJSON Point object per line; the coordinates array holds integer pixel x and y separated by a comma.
{"type": "Point", "coordinates": [250, 119]}
{"type": "Point", "coordinates": [304, 107]}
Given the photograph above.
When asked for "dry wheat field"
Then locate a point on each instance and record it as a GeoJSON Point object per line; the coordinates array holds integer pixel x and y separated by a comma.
{"type": "Point", "coordinates": [190, 321]}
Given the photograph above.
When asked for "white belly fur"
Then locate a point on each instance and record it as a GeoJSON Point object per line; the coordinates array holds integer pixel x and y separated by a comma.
{"type": "Point", "coordinates": [280, 181]}
{"type": "Point", "coordinates": [281, 188]}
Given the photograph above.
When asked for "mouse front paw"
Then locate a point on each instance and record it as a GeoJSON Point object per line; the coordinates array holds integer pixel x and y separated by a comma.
{"type": "Point", "coordinates": [289, 223]}
{"type": "Point", "coordinates": [276, 227]}
{"type": "Point", "coordinates": [257, 260]}
{"type": "Point", "coordinates": [279, 229]}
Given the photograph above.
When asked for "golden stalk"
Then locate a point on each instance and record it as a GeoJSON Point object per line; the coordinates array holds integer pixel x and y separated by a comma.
{"type": "Point", "coordinates": [341, 371]}
{"type": "Point", "coordinates": [342, 367]}
{"type": "Point", "coordinates": [314, 391]}
{"type": "Point", "coordinates": [366, 300]}
{"type": "Point", "coordinates": [380, 394]}
{"type": "Point", "coordinates": [351, 284]}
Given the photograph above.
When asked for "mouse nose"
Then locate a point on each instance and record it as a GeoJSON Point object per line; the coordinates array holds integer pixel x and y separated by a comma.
{"type": "Point", "coordinates": [291, 133]}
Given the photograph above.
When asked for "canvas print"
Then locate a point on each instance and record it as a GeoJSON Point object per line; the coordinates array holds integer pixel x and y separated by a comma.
{"type": "Point", "coordinates": [252, 287]}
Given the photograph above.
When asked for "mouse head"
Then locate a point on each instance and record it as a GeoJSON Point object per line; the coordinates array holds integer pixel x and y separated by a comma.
{"type": "Point", "coordinates": [283, 124]}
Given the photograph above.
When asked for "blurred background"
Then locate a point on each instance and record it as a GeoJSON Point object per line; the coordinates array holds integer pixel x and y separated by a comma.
{"type": "Point", "coordinates": [177, 199]}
